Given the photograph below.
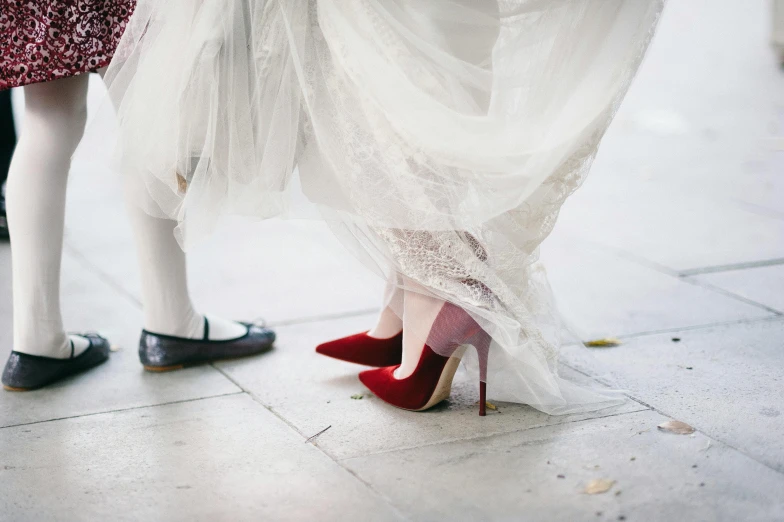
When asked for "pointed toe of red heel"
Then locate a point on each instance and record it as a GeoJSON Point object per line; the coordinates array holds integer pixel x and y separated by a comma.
{"type": "Point", "coordinates": [427, 386]}
{"type": "Point", "coordinates": [377, 380]}
{"type": "Point", "coordinates": [332, 349]}
{"type": "Point", "coordinates": [365, 350]}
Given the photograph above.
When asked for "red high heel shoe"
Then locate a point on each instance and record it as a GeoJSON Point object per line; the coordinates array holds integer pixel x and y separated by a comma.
{"type": "Point", "coordinates": [363, 349]}
{"type": "Point", "coordinates": [431, 381]}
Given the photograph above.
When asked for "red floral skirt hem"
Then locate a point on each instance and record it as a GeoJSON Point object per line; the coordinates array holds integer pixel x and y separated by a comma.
{"type": "Point", "coordinates": [41, 41]}
{"type": "Point", "coordinates": [47, 76]}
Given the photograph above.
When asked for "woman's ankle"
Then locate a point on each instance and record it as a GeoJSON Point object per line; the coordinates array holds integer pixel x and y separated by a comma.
{"type": "Point", "coordinates": [188, 325]}
{"type": "Point", "coordinates": [388, 325]}
{"type": "Point", "coordinates": [193, 327]}
{"type": "Point", "coordinates": [55, 345]}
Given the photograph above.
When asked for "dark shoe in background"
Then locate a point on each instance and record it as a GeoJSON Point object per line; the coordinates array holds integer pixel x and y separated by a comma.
{"type": "Point", "coordinates": [3, 221]}
{"type": "Point", "coordinates": [24, 372]}
{"type": "Point", "coordinates": [7, 144]}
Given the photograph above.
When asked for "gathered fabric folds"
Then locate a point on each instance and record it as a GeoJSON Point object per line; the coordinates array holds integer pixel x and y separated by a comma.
{"type": "Point", "coordinates": [438, 138]}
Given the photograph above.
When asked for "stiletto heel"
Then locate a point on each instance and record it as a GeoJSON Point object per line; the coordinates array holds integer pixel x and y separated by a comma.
{"type": "Point", "coordinates": [482, 346]}
{"type": "Point", "coordinates": [482, 398]}
{"type": "Point", "coordinates": [431, 381]}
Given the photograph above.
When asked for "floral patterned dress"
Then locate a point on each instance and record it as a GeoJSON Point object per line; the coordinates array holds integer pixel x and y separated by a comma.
{"type": "Point", "coordinates": [44, 40]}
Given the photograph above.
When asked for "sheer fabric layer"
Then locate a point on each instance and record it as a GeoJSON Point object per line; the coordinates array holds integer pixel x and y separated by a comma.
{"type": "Point", "coordinates": [440, 139]}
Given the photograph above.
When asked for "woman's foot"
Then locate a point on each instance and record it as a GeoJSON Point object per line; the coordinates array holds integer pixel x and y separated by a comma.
{"type": "Point", "coordinates": [425, 376]}
{"type": "Point", "coordinates": [24, 372]}
{"type": "Point", "coordinates": [389, 324]}
{"type": "Point", "coordinates": [161, 352]}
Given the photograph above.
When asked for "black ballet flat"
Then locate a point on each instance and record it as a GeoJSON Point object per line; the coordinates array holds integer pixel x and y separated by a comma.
{"type": "Point", "coordinates": [164, 353]}
{"type": "Point", "coordinates": [4, 234]}
{"type": "Point", "coordinates": [24, 372]}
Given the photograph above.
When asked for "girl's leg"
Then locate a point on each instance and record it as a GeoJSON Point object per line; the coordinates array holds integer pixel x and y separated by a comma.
{"type": "Point", "coordinates": [167, 304]}
{"type": "Point", "coordinates": [168, 308]}
{"type": "Point", "coordinates": [54, 119]}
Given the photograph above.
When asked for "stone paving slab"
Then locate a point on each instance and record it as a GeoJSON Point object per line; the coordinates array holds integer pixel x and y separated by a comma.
{"type": "Point", "coordinates": [726, 381]}
{"type": "Point", "coordinates": [540, 474]}
{"type": "Point", "coordinates": [763, 285]}
{"type": "Point", "coordinates": [659, 221]}
{"type": "Point", "coordinates": [313, 392]}
{"type": "Point", "coordinates": [604, 295]}
{"type": "Point", "coordinates": [89, 304]}
{"type": "Point", "coordinates": [225, 458]}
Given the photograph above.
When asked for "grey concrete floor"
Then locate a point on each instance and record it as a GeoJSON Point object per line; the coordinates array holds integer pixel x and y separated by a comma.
{"type": "Point", "coordinates": [675, 245]}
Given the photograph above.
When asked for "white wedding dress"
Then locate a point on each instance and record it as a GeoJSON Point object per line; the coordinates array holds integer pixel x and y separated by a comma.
{"type": "Point", "coordinates": [438, 137]}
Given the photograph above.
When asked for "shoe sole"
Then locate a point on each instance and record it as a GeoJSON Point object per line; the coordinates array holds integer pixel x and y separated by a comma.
{"type": "Point", "coordinates": [444, 386]}
{"type": "Point", "coordinates": [175, 367]}
{"type": "Point", "coordinates": [97, 360]}
{"type": "Point", "coordinates": [164, 369]}
{"type": "Point", "coordinates": [14, 389]}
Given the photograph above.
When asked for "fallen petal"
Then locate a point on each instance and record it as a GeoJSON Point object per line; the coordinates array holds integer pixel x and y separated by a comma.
{"type": "Point", "coordinates": [603, 343]}
{"type": "Point", "coordinates": [598, 486]}
{"type": "Point", "coordinates": [677, 427]}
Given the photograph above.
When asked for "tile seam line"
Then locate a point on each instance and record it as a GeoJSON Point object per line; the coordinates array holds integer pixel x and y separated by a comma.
{"type": "Point", "coordinates": [102, 276]}
{"type": "Point", "coordinates": [732, 295]}
{"type": "Point", "coordinates": [388, 501]}
{"type": "Point", "coordinates": [731, 267]}
{"type": "Point", "coordinates": [706, 326]}
{"type": "Point", "coordinates": [683, 273]}
{"type": "Point", "coordinates": [760, 210]}
{"type": "Point", "coordinates": [688, 274]}
{"type": "Point", "coordinates": [632, 258]}
{"type": "Point", "coordinates": [321, 450]}
{"type": "Point", "coordinates": [120, 410]}
{"type": "Point", "coordinates": [679, 274]}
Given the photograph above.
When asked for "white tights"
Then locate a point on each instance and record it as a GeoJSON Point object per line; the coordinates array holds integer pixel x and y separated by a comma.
{"type": "Point", "coordinates": [419, 310]}
{"type": "Point", "coordinates": [54, 120]}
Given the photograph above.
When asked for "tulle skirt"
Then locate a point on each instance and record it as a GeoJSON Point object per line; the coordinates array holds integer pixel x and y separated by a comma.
{"type": "Point", "coordinates": [438, 138]}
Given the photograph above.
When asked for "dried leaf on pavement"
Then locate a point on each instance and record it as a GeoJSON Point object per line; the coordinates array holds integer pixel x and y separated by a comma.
{"type": "Point", "coordinates": [677, 427]}
{"type": "Point", "coordinates": [603, 343]}
{"type": "Point", "coordinates": [597, 486]}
